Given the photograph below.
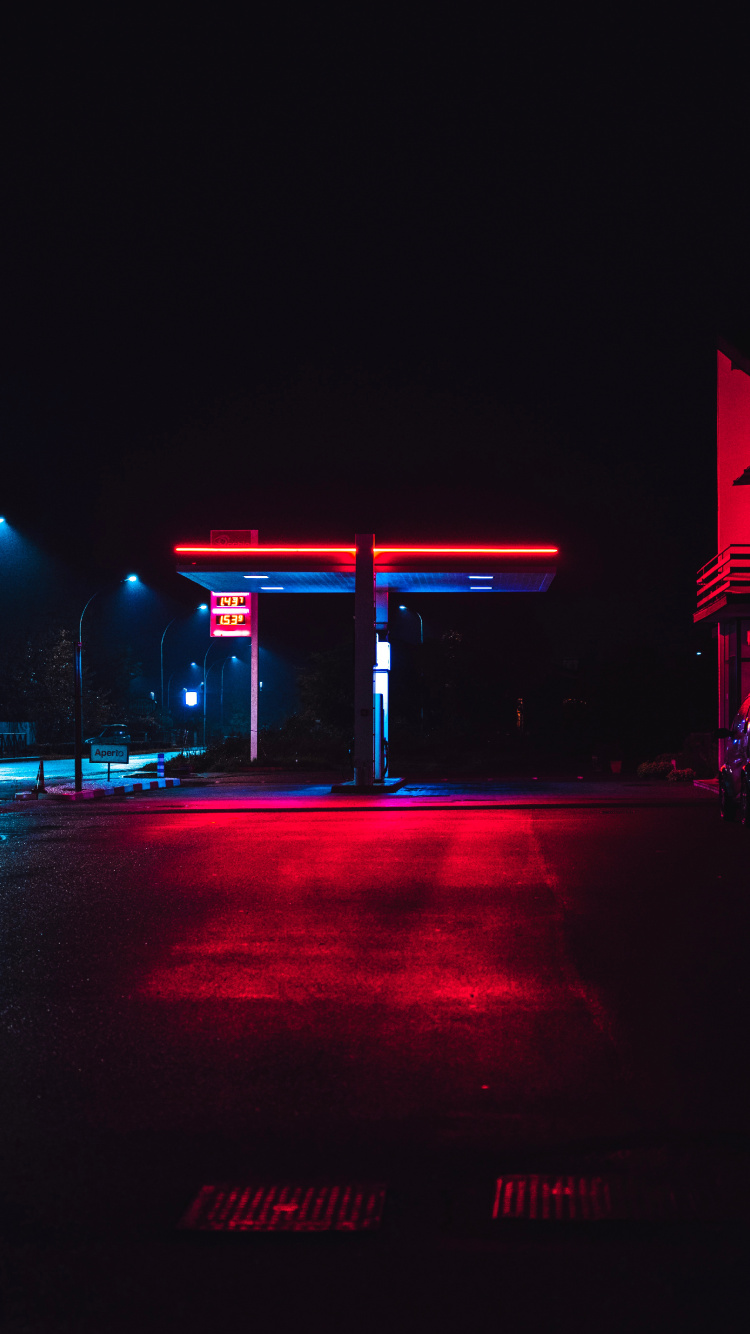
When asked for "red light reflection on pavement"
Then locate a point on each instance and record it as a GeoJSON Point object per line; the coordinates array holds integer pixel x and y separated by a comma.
{"type": "Point", "coordinates": [411, 911]}
{"type": "Point", "coordinates": [340, 968]}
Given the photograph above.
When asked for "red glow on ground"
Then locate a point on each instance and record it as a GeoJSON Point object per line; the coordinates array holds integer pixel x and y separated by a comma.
{"type": "Point", "coordinates": [329, 972]}
{"type": "Point", "coordinates": [416, 912]}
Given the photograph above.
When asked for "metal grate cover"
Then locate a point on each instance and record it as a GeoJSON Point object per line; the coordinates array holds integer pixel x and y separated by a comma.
{"type": "Point", "coordinates": [291, 1207]}
{"type": "Point", "coordinates": [532, 1197]}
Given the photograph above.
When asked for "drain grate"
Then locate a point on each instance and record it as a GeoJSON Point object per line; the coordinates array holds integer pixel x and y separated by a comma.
{"type": "Point", "coordinates": [290, 1207]}
{"type": "Point", "coordinates": [533, 1197]}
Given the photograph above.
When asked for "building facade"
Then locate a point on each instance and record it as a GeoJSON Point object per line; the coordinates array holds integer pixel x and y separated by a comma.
{"type": "Point", "coordinates": [724, 581]}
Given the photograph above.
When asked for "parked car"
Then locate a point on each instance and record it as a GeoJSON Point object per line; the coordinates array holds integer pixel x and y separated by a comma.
{"type": "Point", "coordinates": [113, 732]}
{"type": "Point", "coordinates": [734, 775]}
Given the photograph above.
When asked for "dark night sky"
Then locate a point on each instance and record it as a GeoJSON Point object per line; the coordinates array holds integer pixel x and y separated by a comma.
{"type": "Point", "coordinates": [442, 279]}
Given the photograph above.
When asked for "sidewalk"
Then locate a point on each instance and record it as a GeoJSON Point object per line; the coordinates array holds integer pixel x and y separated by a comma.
{"type": "Point", "coordinates": [228, 793]}
{"type": "Point", "coordinates": [92, 791]}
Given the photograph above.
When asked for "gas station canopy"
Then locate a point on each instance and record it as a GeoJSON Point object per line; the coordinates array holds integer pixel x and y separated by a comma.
{"type": "Point", "coordinates": [237, 572]}
{"type": "Point", "coordinates": [230, 568]}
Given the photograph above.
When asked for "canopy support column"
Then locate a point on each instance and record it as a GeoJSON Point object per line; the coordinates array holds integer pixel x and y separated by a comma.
{"type": "Point", "coordinates": [364, 659]}
{"type": "Point", "coordinates": [254, 662]}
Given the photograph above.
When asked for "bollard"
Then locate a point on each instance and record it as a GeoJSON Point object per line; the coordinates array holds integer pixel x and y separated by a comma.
{"type": "Point", "coordinates": [160, 765]}
{"type": "Point", "coordinates": [40, 778]}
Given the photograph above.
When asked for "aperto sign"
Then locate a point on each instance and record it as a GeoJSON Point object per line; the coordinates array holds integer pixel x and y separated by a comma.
{"type": "Point", "coordinates": [230, 615]}
{"type": "Point", "coordinates": [109, 752]}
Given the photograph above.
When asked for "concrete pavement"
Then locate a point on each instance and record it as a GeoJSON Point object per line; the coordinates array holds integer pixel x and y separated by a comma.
{"type": "Point", "coordinates": [423, 995]}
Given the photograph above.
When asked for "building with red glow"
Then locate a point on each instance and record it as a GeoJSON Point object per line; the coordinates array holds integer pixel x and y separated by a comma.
{"type": "Point", "coordinates": [724, 581]}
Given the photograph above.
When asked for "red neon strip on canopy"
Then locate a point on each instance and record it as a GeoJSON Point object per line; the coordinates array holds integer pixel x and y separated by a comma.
{"type": "Point", "coordinates": [263, 551]}
{"type": "Point", "coordinates": [379, 551]}
{"type": "Point", "coordinates": [466, 551]}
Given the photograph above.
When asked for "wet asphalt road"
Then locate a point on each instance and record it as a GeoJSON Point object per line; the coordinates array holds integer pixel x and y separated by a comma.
{"type": "Point", "coordinates": [426, 997]}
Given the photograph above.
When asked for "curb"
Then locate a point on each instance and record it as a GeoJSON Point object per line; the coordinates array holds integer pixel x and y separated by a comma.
{"type": "Point", "coordinates": [111, 789]}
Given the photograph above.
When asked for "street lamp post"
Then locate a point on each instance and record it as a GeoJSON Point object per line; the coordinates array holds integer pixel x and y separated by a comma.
{"type": "Point", "coordinates": [169, 682]}
{"type": "Point", "coordinates": [206, 675]}
{"type": "Point", "coordinates": [78, 696]}
{"type": "Point", "coordinates": [161, 659]}
{"type": "Point", "coordinates": [205, 655]}
{"type": "Point", "coordinates": [202, 607]}
{"type": "Point", "coordinates": [231, 658]}
{"type": "Point", "coordinates": [421, 622]}
{"type": "Point", "coordinates": [421, 640]}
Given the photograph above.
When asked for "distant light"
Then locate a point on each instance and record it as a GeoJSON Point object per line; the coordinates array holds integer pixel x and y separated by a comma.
{"type": "Point", "coordinates": [255, 576]}
{"type": "Point", "coordinates": [403, 608]}
{"type": "Point", "coordinates": [273, 588]}
{"type": "Point", "coordinates": [193, 664]}
{"type": "Point", "coordinates": [698, 654]}
{"type": "Point", "coordinates": [203, 606]}
{"type": "Point", "coordinates": [2, 520]}
{"type": "Point", "coordinates": [132, 579]}
{"type": "Point", "coordinates": [482, 588]}
{"type": "Point", "coordinates": [235, 658]}
{"type": "Point", "coordinates": [191, 698]}
{"type": "Point", "coordinates": [480, 576]}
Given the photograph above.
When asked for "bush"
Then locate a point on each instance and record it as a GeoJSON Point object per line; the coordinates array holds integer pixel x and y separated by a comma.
{"type": "Point", "coordinates": [655, 769]}
{"type": "Point", "coordinates": [186, 762]}
{"type": "Point", "coordinates": [297, 744]}
{"type": "Point", "coordinates": [681, 776]}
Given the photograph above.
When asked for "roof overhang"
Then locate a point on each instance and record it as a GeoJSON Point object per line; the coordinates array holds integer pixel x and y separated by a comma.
{"type": "Point", "coordinates": [289, 569]}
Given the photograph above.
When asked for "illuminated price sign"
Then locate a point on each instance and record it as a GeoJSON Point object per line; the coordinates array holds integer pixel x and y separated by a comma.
{"type": "Point", "coordinates": [230, 615]}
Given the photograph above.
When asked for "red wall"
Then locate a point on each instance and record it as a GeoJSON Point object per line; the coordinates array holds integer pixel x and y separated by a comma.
{"type": "Point", "coordinates": [733, 450]}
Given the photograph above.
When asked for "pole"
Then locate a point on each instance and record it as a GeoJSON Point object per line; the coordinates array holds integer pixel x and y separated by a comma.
{"type": "Point", "coordinates": [254, 662]}
{"type": "Point", "coordinates": [205, 655]}
{"type": "Point", "coordinates": [364, 659]}
{"type": "Point", "coordinates": [206, 675]}
{"type": "Point", "coordinates": [221, 698]}
{"type": "Point", "coordinates": [78, 701]}
{"type": "Point", "coordinates": [421, 675]}
{"type": "Point", "coordinates": [161, 658]}
{"type": "Point", "coordinates": [78, 709]}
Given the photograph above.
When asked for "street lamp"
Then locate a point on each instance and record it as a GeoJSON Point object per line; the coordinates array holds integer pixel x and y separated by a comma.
{"type": "Point", "coordinates": [203, 607]}
{"type": "Point", "coordinates": [205, 655]}
{"type": "Point", "coordinates": [170, 678]}
{"type": "Point", "coordinates": [421, 640]}
{"type": "Point", "coordinates": [206, 675]}
{"type": "Point", "coordinates": [421, 622]}
{"type": "Point", "coordinates": [232, 658]}
{"type": "Point", "coordinates": [78, 696]}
